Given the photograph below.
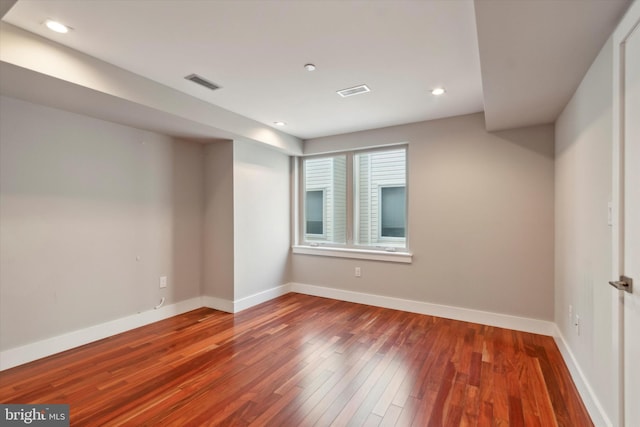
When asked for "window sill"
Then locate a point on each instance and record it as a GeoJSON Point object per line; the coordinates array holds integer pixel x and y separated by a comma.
{"type": "Point", "coordinates": [374, 255]}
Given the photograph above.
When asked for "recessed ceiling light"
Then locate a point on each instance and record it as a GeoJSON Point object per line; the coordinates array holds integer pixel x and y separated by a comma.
{"type": "Point", "coordinates": [309, 67]}
{"type": "Point", "coordinates": [437, 91]}
{"type": "Point", "coordinates": [279, 123]}
{"type": "Point", "coordinates": [56, 26]}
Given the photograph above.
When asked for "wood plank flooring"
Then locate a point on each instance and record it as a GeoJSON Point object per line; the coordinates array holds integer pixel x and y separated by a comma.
{"type": "Point", "coordinates": [300, 360]}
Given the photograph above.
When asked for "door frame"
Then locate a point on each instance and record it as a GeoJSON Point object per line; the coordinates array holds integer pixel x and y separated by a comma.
{"type": "Point", "coordinates": [624, 29]}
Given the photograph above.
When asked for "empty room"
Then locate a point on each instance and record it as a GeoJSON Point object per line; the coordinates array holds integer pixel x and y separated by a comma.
{"type": "Point", "coordinates": [320, 213]}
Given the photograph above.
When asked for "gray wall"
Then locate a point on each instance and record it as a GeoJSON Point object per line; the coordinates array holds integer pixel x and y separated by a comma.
{"type": "Point", "coordinates": [218, 221]}
{"type": "Point", "coordinates": [481, 209]}
{"type": "Point", "coordinates": [246, 225]}
{"type": "Point", "coordinates": [91, 215]}
{"type": "Point", "coordinates": [82, 199]}
{"type": "Point", "coordinates": [584, 134]}
{"type": "Point", "coordinates": [261, 213]}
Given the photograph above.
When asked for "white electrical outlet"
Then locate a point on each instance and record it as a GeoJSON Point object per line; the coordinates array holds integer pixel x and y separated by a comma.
{"type": "Point", "coordinates": [163, 281]}
{"type": "Point", "coordinates": [577, 324]}
{"type": "Point", "coordinates": [358, 272]}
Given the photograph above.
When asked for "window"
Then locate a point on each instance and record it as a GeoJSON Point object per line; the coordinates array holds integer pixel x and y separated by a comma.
{"type": "Point", "coordinates": [355, 200]}
{"type": "Point", "coordinates": [380, 204]}
{"type": "Point", "coordinates": [392, 212]}
{"type": "Point", "coordinates": [325, 201]}
{"type": "Point", "coordinates": [314, 212]}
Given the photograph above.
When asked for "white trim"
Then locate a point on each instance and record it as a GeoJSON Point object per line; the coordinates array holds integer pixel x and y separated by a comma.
{"type": "Point", "coordinates": [260, 297]}
{"type": "Point", "coordinates": [295, 197]}
{"type": "Point", "coordinates": [37, 350]}
{"type": "Point", "coordinates": [404, 257]}
{"type": "Point", "coordinates": [238, 305]}
{"type": "Point", "coordinates": [525, 324]}
{"type": "Point", "coordinates": [589, 397]}
{"type": "Point", "coordinates": [218, 304]}
{"type": "Point", "coordinates": [617, 315]}
{"type": "Point", "coordinates": [17, 356]}
{"type": "Point", "coordinates": [347, 149]}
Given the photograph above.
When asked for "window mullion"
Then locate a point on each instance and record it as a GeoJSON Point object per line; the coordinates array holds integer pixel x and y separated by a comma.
{"type": "Point", "coordinates": [301, 199]}
{"type": "Point", "coordinates": [350, 202]}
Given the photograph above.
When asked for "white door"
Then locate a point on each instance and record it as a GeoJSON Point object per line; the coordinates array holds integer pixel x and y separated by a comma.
{"type": "Point", "coordinates": [627, 142]}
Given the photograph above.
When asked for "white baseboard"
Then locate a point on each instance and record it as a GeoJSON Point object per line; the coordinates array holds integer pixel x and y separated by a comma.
{"type": "Point", "coordinates": [218, 304]}
{"type": "Point", "coordinates": [235, 306]}
{"type": "Point", "coordinates": [47, 347]}
{"type": "Point", "coordinates": [30, 352]}
{"type": "Point", "coordinates": [524, 324]}
{"type": "Point", "coordinates": [260, 297]}
{"type": "Point", "coordinates": [20, 355]}
{"type": "Point", "coordinates": [37, 350]}
{"type": "Point", "coordinates": [595, 409]}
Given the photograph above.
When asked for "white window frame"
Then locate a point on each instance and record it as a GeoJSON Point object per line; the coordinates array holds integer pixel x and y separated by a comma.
{"type": "Point", "coordinates": [304, 246]}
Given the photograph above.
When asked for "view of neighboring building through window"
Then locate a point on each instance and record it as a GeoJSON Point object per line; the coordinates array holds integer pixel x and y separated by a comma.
{"type": "Point", "coordinates": [325, 210]}
{"type": "Point", "coordinates": [377, 212]}
{"type": "Point", "coordinates": [392, 211]}
{"type": "Point", "coordinates": [315, 212]}
{"type": "Point", "coordinates": [380, 178]}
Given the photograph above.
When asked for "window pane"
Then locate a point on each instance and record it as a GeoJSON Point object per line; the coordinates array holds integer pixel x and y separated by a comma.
{"type": "Point", "coordinates": [379, 179]}
{"type": "Point", "coordinates": [393, 208]}
{"type": "Point", "coordinates": [315, 212]}
{"type": "Point", "coordinates": [325, 183]}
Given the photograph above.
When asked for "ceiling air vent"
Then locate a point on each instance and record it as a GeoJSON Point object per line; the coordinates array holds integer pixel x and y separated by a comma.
{"type": "Point", "coordinates": [202, 81]}
{"type": "Point", "coordinates": [356, 90]}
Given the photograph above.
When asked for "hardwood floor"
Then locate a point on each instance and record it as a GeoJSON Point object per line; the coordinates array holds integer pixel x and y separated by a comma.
{"type": "Point", "coordinates": [300, 360]}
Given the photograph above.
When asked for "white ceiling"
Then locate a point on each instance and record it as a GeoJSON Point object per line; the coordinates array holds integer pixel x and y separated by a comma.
{"type": "Point", "coordinates": [533, 54]}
